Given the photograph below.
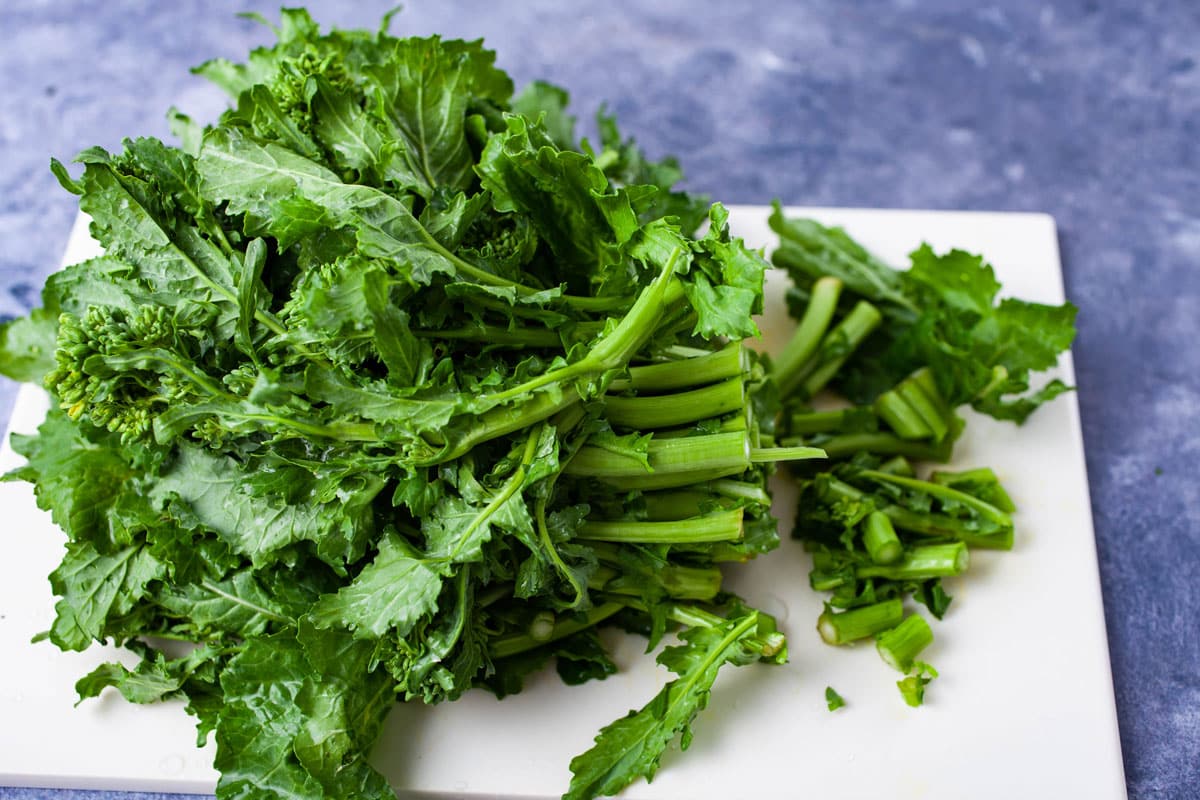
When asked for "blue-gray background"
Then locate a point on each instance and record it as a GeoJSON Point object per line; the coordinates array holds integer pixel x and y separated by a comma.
{"type": "Point", "coordinates": [1087, 110]}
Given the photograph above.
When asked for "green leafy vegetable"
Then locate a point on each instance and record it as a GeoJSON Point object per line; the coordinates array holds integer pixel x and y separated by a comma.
{"type": "Point", "coordinates": [942, 314]}
{"type": "Point", "coordinates": [632, 746]}
{"type": "Point", "coordinates": [387, 388]}
{"type": "Point", "coordinates": [906, 349]}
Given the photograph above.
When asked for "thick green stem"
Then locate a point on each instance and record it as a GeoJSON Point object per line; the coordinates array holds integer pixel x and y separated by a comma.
{"type": "Point", "coordinates": [901, 417]}
{"type": "Point", "coordinates": [720, 527]}
{"type": "Point", "coordinates": [924, 379]}
{"type": "Point", "coordinates": [663, 411]}
{"type": "Point", "coordinates": [880, 539]}
{"type": "Point", "coordinates": [914, 408]}
{"type": "Point", "coordinates": [926, 409]}
{"type": "Point", "coordinates": [680, 582]}
{"type": "Point", "coordinates": [741, 490]}
{"type": "Point", "coordinates": [900, 646]}
{"type": "Point", "coordinates": [728, 362]}
{"type": "Point", "coordinates": [859, 623]}
{"type": "Point", "coordinates": [822, 304]}
{"type": "Point", "coordinates": [731, 422]}
{"type": "Point", "coordinates": [921, 563]}
{"type": "Point", "coordinates": [898, 465]}
{"type": "Point", "coordinates": [883, 444]}
{"type": "Point", "coordinates": [838, 345]}
{"type": "Point", "coordinates": [513, 643]}
{"type": "Point", "coordinates": [770, 455]}
{"type": "Point", "coordinates": [653, 481]}
{"type": "Point", "coordinates": [503, 420]}
{"type": "Point", "coordinates": [681, 504]}
{"type": "Point", "coordinates": [691, 583]}
{"type": "Point", "coordinates": [541, 628]}
{"type": "Point", "coordinates": [1001, 520]}
{"type": "Point", "coordinates": [810, 422]}
{"type": "Point", "coordinates": [691, 454]}
{"type": "Point", "coordinates": [944, 526]}
{"type": "Point", "coordinates": [615, 349]}
{"type": "Point", "coordinates": [998, 497]}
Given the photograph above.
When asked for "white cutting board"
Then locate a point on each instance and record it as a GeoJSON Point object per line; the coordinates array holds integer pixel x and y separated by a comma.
{"type": "Point", "coordinates": [1024, 707]}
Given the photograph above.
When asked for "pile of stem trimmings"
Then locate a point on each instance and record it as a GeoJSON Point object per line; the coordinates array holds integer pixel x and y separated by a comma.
{"type": "Point", "coordinates": [902, 350]}
{"type": "Point", "coordinates": [387, 388]}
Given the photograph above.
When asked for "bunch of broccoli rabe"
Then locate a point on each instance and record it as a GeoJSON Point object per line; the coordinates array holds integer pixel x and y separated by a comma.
{"type": "Point", "coordinates": [388, 387]}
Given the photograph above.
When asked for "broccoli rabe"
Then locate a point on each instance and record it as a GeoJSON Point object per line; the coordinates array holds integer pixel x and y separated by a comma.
{"type": "Point", "coordinates": [906, 350]}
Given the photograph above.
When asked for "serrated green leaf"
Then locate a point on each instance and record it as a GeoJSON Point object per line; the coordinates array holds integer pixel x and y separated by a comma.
{"type": "Point", "coordinates": [631, 747]}
{"type": "Point", "coordinates": [95, 587]}
{"type": "Point", "coordinates": [155, 677]}
{"type": "Point", "coordinates": [238, 605]}
{"type": "Point", "coordinates": [391, 593]}
{"type": "Point", "coordinates": [240, 507]}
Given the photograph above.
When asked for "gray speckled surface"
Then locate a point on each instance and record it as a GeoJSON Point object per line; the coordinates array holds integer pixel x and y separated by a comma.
{"type": "Point", "coordinates": [1086, 110]}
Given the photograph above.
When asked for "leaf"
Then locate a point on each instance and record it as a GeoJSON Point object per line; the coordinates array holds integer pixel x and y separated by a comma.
{"type": "Point", "coordinates": [581, 658]}
{"type": "Point", "coordinates": [931, 595]}
{"type": "Point", "coordinates": [809, 250]}
{"type": "Point", "coordinates": [377, 402]}
{"type": "Point", "coordinates": [721, 310]}
{"type": "Point", "coordinates": [546, 104]}
{"type": "Point", "coordinates": [27, 346]}
{"type": "Point", "coordinates": [441, 659]}
{"type": "Point", "coordinates": [449, 216]}
{"type": "Point", "coordinates": [155, 678]}
{"type": "Point", "coordinates": [249, 175]}
{"type": "Point", "coordinates": [565, 195]}
{"type": "Point", "coordinates": [456, 530]}
{"type": "Point", "coordinates": [912, 688]}
{"type": "Point", "coordinates": [78, 477]}
{"type": "Point", "coordinates": [245, 510]}
{"type": "Point", "coordinates": [632, 746]}
{"type": "Point", "coordinates": [96, 587]}
{"type": "Point", "coordinates": [959, 280]}
{"type": "Point", "coordinates": [238, 605]}
{"type": "Point", "coordinates": [738, 273]}
{"type": "Point", "coordinates": [626, 165]}
{"type": "Point", "coordinates": [423, 90]}
{"type": "Point", "coordinates": [260, 720]}
{"type": "Point", "coordinates": [248, 286]}
{"type": "Point", "coordinates": [171, 171]}
{"type": "Point", "coordinates": [170, 263]}
{"type": "Point", "coordinates": [404, 354]}
{"type": "Point", "coordinates": [390, 593]}
{"type": "Point", "coordinates": [350, 133]}
{"type": "Point", "coordinates": [1028, 336]}
{"type": "Point", "coordinates": [259, 111]}
{"type": "Point", "coordinates": [343, 710]}
{"type": "Point", "coordinates": [1018, 409]}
